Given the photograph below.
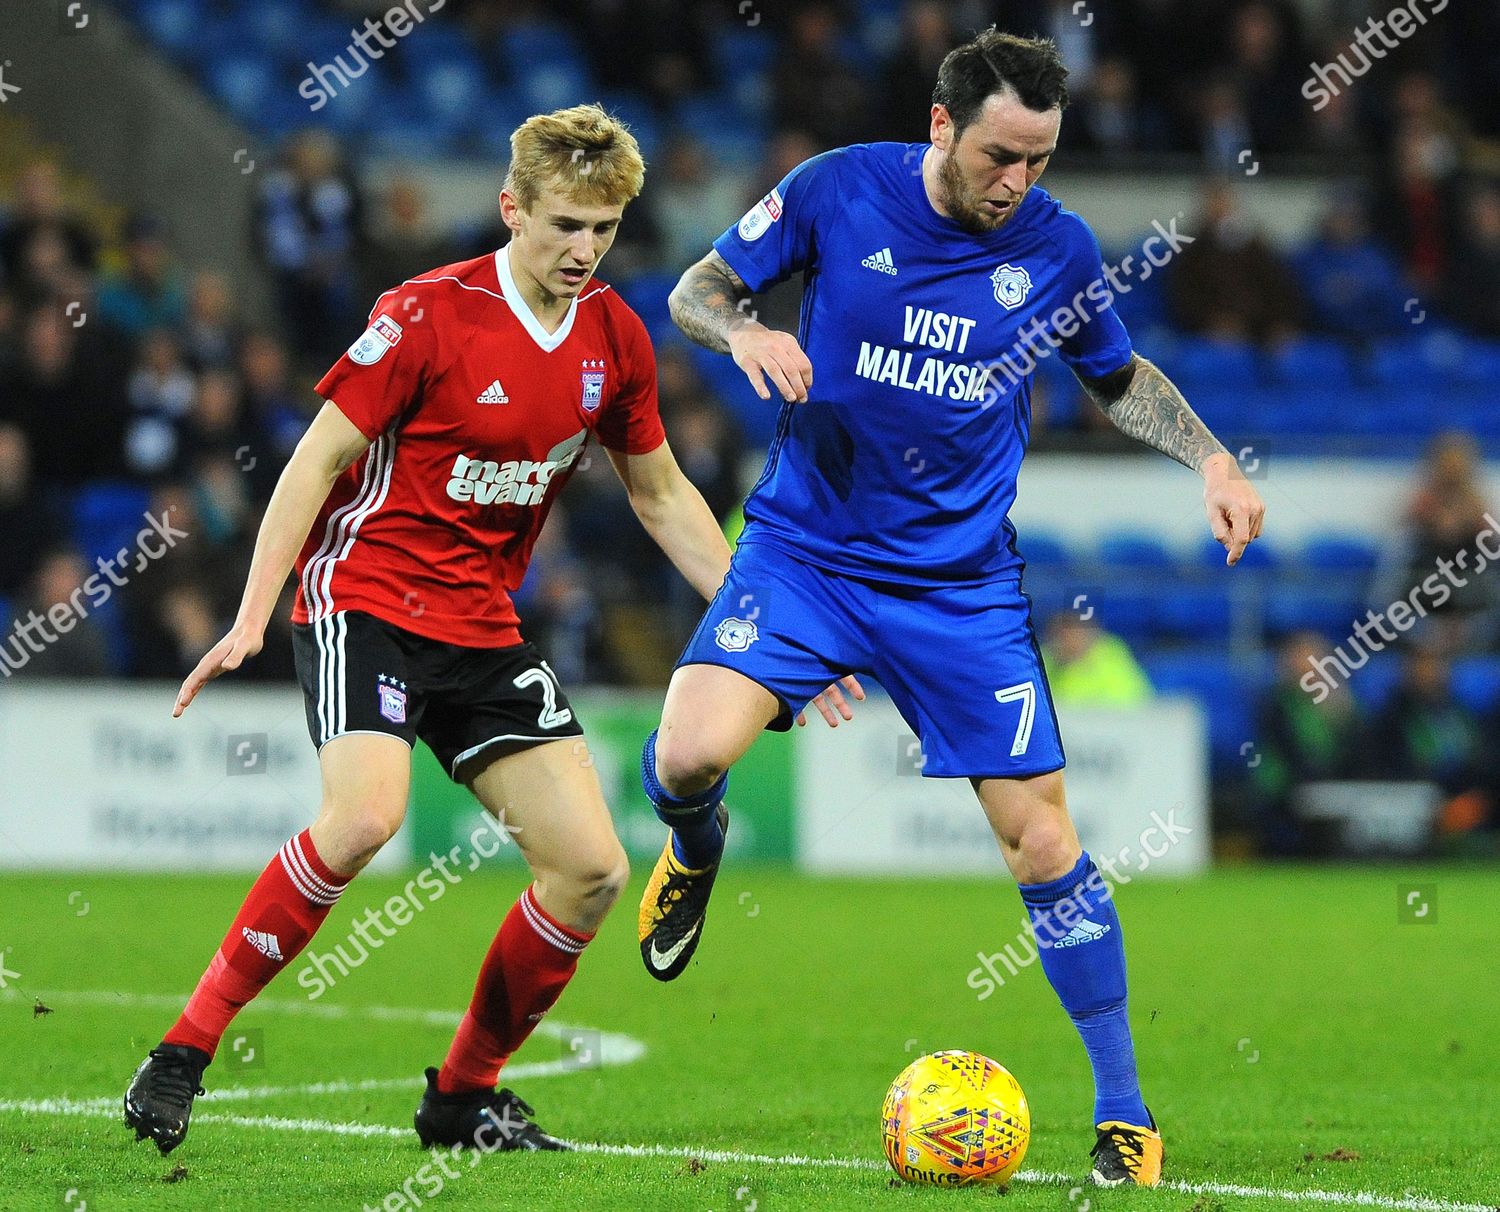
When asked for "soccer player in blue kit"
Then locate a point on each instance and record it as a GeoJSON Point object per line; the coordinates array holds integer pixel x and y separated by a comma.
{"type": "Point", "coordinates": [877, 539]}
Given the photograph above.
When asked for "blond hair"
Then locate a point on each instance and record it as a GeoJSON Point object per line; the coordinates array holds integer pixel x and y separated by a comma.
{"type": "Point", "coordinates": [584, 151]}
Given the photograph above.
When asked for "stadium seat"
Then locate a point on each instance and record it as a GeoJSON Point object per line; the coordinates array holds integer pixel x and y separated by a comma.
{"type": "Point", "coordinates": [1137, 550]}
{"type": "Point", "coordinates": [1330, 614]}
{"type": "Point", "coordinates": [647, 296]}
{"type": "Point", "coordinates": [172, 24]}
{"type": "Point", "coordinates": [1220, 364]}
{"type": "Point", "coordinates": [107, 516]}
{"type": "Point", "coordinates": [1228, 690]}
{"type": "Point", "coordinates": [1476, 684]}
{"type": "Point", "coordinates": [1375, 681]}
{"type": "Point", "coordinates": [1044, 552]}
{"type": "Point", "coordinates": [243, 83]}
{"type": "Point", "coordinates": [1257, 556]}
{"type": "Point", "coordinates": [1340, 554]}
{"type": "Point", "coordinates": [1311, 361]}
{"type": "Point", "coordinates": [1200, 613]}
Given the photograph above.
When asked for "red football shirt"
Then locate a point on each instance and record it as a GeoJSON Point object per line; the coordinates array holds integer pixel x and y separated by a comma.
{"type": "Point", "coordinates": [477, 416]}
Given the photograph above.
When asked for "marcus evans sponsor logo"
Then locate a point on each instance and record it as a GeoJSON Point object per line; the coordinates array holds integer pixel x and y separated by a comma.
{"type": "Point", "coordinates": [517, 482]}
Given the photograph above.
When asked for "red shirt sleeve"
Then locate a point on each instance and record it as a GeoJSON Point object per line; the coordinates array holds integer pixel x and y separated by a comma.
{"type": "Point", "coordinates": [382, 374]}
{"type": "Point", "coordinates": [631, 423]}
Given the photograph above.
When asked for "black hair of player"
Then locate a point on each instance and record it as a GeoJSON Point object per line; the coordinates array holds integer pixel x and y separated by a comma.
{"type": "Point", "coordinates": [994, 61]}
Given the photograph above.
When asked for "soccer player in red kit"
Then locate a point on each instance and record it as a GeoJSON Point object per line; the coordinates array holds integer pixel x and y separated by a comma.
{"type": "Point", "coordinates": [414, 499]}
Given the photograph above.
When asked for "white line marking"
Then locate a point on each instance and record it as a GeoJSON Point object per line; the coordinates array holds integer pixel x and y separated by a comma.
{"type": "Point", "coordinates": [616, 1049]}
{"type": "Point", "coordinates": [1348, 1199]}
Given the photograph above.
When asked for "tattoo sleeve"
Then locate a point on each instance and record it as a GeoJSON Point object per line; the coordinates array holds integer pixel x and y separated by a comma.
{"type": "Point", "coordinates": [706, 303]}
{"type": "Point", "coordinates": [1143, 404]}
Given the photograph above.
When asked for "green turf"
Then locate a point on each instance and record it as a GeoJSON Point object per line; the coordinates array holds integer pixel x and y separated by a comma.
{"type": "Point", "coordinates": [1361, 1035]}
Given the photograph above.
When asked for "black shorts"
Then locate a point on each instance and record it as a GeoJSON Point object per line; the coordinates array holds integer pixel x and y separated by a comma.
{"type": "Point", "coordinates": [471, 705]}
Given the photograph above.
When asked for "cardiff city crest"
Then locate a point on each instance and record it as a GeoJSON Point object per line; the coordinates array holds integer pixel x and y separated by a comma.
{"type": "Point", "coordinates": [735, 635]}
{"type": "Point", "coordinates": [1012, 284]}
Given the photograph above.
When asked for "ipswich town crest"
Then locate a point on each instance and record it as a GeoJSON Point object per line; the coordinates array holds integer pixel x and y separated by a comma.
{"type": "Point", "coordinates": [1012, 284]}
{"type": "Point", "coordinates": [593, 383]}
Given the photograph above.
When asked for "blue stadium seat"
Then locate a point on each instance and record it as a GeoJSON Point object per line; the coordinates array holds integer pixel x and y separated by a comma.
{"type": "Point", "coordinates": [1337, 553]}
{"type": "Point", "coordinates": [1229, 692]}
{"type": "Point", "coordinates": [172, 24]}
{"type": "Point", "coordinates": [1137, 550]}
{"type": "Point", "coordinates": [452, 91]}
{"type": "Point", "coordinates": [1044, 552]}
{"type": "Point", "coordinates": [536, 44]}
{"type": "Point", "coordinates": [1375, 681]}
{"type": "Point", "coordinates": [1256, 556]}
{"type": "Point", "coordinates": [1201, 613]}
{"type": "Point", "coordinates": [108, 516]}
{"type": "Point", "coordinates": [243, 83]}
{"type": "Point", "coordinates": [1312, 361]}
{"type": "Point", "coordinates": [1330, 614]}
{"type": "Point", "coordinates": [1221, 364]}
{"type": "Point", "coordinates": [647, 296]}
{"type": "Point", "coordinates": [1476, 683]}
{"type": "Point", "coordinates": [739, 50]}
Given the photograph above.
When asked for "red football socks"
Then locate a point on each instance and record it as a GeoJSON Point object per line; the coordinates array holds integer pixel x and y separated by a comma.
{"type": "Point", "coordinates": [284, 909]}
{"type": "Point", "coordinates": [529, 964]}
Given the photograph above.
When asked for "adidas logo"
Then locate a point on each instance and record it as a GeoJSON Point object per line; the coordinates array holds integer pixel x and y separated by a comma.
{"type": "Point", "coordinates": [493, 394]}
{"type": "Point", "coordinates": [1084, 932]}
{"type": "Point", "coordinates": [881, 261]}
{"type": "Point", "coordinates": [267, 944]}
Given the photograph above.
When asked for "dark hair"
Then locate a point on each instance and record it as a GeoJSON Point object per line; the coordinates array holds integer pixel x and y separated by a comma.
{"type": "Point", "coordinates": [994, 61]}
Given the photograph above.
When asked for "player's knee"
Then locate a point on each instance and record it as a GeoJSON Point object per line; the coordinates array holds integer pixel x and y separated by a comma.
{"type": "Point", "coordinates": [1043, 851]}
{"type": "Point", "coordinates": [686, 764]}
{"type": "Point", "coordinates": [355, 836]}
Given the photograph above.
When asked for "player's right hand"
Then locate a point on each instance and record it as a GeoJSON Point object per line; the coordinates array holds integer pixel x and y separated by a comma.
{"type": "Point", "coordinates": [227, 655]}
{"type": "Point", "coordinates": [763, 353]}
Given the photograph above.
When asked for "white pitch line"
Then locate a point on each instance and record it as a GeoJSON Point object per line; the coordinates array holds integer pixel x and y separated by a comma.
{"type": "Point", "coordinates": [1346, 1199]}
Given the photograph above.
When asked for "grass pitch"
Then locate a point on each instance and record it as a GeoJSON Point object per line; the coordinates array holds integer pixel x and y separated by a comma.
{"type": "Point", "coordinates": [1295, 1036]}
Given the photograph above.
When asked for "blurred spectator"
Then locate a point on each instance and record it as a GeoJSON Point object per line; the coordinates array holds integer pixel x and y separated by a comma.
{"type": "Point", "coordinates": [79, 648]}
{"type": "Point", "coordinates": [1266, 68]}
{"type": "Point", "coordinates": [40, 208]}
{"type": "Point", "coordinates": [401, 241]}
{"type": "Point", "coordinates": [927, 35]}
{"type": "Point", "coordinates": [147, 294]}
{"type": "Point", "coordinates": [1229, 283]}
{"type": "Point", "coordinates": [1089, 667]}
{"type": "Point", "coordinates": [1108, 119]}
{"type": "Point", "coordinates": [1352, 283]}
{"type": "Point", "coordinates": [1473, 287]}
{"type": "Point", "coordinates": [1224, 133]}
{"type": "Point", "coordinates": [71, 407]}
{"type": "Point", "coordinates": [815, 86]}
{"type": "Point", "coordinates": [1426, 735]}
{"type": "Point", "coordinates": [308, 219]}
{"type": "Point", "coordinates": [161, 394]}
{"type": "Point", "coordinates": [704, 436]}
{"type": "Point", "coordinates": [211, 330]}
{"type": "Point", "coordinates": [692, 201]}
{"type": "Point", "coordinates": [1444, 516]}
{"type": "Point", "coordinates": [1419, 179]}
{"type": "Point", "coordinates": [275, 409]}
{"type": "Point", "coordinates": [1301, 740]}
{"type": "Point", "coordinates": [25, 519]}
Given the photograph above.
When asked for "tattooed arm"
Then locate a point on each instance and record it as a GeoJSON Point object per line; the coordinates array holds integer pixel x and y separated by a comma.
{"type": "Point", "coordinates": [710, 304]}
{"type": "Point", "coordinates": [1143, 404]}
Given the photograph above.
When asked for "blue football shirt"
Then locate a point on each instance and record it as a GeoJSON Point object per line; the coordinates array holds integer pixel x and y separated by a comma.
{"type": "Point", "coordinates": [902, 463]}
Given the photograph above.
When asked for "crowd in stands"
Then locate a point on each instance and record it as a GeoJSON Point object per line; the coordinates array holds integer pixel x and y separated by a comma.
{"type": "Point", "coordinates": [130, 382]}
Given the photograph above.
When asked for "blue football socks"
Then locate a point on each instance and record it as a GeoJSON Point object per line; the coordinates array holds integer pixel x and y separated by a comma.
{"type": "Point", "coordinates": [697, 837]}
{"type": "Point", "coordinates": [1083, 954]}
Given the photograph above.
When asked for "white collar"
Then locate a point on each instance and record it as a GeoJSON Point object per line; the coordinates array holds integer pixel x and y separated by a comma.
{"type": "Point", "coordinates": [547, 340]}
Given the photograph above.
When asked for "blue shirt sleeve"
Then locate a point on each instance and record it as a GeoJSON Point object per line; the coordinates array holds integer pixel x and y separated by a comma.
{"type": "Point", "coordinates": [1101, 345]}
{"type": "Point", "coordinates": [778, 235]}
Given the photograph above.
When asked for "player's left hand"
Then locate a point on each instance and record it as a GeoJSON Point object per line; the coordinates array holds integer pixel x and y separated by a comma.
{"type": "Point", "coordinates": [832, 702]}
{"type": "Point", "coordinates": [1235, 510]}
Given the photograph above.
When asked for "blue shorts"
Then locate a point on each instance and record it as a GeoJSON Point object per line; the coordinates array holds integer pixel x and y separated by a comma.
{"type": "Point", "coordinates": [960, 662]}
